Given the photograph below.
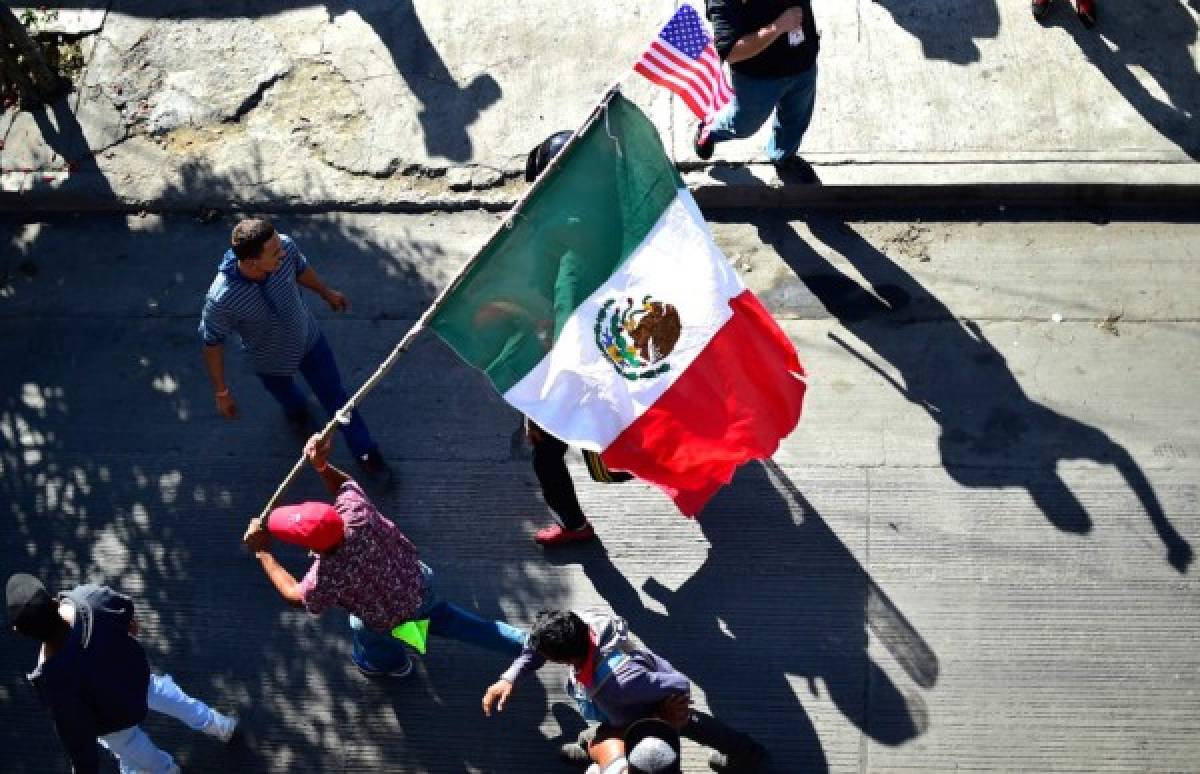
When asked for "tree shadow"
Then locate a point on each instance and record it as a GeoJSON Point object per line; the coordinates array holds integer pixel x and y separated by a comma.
{"type": "Point", "coordinates": [446, 110]}
{"type": "Point", "coordinates": [992, 434]}
{"type": "Point", "coordinates": [778, 597]}
{"type": "Point", "coordinates": [946, 29]}
{"type": "Point", "coordinates": [115, 468]}
{"type": "Point", "coordinates": [77, 172]}
{"type": "Point", "coordinates": [1156, 37]}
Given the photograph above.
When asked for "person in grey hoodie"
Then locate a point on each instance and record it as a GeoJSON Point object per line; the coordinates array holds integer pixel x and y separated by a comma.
{"type": "Point", "coordinates": [616, 680]}
{"type": "Point", "coordinates": [93, 676]}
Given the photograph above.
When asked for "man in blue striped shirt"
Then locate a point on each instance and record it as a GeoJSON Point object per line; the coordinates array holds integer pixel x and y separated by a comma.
{"type": "Point", "coordinates": [256, 294]}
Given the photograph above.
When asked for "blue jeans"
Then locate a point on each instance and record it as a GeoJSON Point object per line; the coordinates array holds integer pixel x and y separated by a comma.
{"type": "Point", "coordinates": [321, 372]}
{"type": "Point", "coordinates": [792, 98]}
{"type": "Point", "coordinates": [135, 751]}
{"type": "Point", "coordinates": [381, 651]}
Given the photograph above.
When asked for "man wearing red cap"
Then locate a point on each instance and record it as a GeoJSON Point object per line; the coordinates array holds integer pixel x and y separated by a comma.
{"type": "Point", "coordinates": [368, 567]}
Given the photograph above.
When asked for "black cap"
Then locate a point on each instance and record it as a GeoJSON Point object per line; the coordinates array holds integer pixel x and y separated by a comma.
{"type": "Point", "coordinates": [652, 747]}
{"type": "Point", "coordinates": [539, 158]}
{"type": "Point", "coordinates": [31, 609]}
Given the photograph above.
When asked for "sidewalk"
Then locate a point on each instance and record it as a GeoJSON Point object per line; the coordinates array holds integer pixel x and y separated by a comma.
{"type": "Point", "coordinates": [384, 105]}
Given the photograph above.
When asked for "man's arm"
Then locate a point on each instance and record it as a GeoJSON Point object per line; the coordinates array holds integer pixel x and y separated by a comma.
{"type": "Point", "coordinates": [498, 693]}
{"type": "Point", "coordinates": [317, 453]}
{"type": "Point", "coordinates": [309, 279]}
{"type": "Point", "coordinates": [258, 540]}
{"type": "Point", "coordinates": [755, 42]}
{"type": "Point", "coordinates": [214, 363]}
{"type": "Point", "coordinates": [281, 579]}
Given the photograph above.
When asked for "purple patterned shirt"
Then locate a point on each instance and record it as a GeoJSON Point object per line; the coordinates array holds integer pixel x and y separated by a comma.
{"type": "Point", "coordinates": [374, 574]}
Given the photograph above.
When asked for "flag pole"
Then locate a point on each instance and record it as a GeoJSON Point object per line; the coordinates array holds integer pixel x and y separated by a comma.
{"type": "Point", "coordinates": [423, 321]}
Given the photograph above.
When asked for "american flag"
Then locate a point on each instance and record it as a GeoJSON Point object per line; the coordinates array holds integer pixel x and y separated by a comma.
{"type": "Point", "coordinates": [682, 59]}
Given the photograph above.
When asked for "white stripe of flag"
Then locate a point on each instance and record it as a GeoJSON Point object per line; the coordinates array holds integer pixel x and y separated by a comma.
{"type": "Point", "coordinates": [699, 82]}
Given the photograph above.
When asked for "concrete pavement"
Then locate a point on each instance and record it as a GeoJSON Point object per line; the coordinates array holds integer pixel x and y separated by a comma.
{"type": "Point", "coordinates": [973, 553]}
{"type": "Point", "coordinates": [415, 105]}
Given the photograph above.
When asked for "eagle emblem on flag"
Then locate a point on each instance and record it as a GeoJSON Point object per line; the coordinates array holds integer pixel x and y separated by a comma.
{"type": "Point", "coordinates": [637, 338]}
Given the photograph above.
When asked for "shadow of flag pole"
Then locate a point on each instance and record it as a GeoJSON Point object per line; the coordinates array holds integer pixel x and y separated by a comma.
{"type": "Point", "coordinates": [422, 323]}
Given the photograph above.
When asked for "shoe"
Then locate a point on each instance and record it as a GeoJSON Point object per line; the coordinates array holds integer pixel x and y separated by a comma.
{"type": "Point", "coordinates": [573, 752]}
{"type": "Point", "coordinates": [397, 674]}
{"type": "Point", "coordinates": [746, 762]}
{"type": "Point", "coordinates": [794, 169]}
{"type": "Point", "coordinates": [1086, 10]}
{"type": "Point", "coordinates": [222, 726]}
{"type": "Point", "coordinates": [557, 535]}
{"type": "Point", "coordinates": [373, 464]}
{"type": "Point", "coordinates": [702, 143]}
{"type": "Point", "coordinates": [1040, 8]}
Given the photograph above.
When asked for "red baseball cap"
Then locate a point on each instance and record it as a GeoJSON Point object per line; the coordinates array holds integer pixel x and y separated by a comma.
{"type": "Point", "coordinates": [313, 525]}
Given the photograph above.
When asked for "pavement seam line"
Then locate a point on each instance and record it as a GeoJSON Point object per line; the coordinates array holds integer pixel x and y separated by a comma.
{"type": "Point", "coordinates": [863, 749]}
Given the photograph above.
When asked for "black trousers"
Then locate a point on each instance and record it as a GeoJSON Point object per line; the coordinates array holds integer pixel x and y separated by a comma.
{"type": "Point", "coordinates": [550, 466]}
{"type": "Point", "coordinates": [549, 463]}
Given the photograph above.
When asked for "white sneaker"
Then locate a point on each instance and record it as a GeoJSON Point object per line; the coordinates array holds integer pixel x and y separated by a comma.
{"type": "Point", "coordinates": [222, 726]}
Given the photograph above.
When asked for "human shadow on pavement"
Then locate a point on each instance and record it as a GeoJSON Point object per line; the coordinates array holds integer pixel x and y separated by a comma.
{"type": "Point", "coordinates": [447, 110]}
{"type": "Point", "coordinates": [1158, 38]}
{"type": "Point", "coordinates": [992, 434]}
{"type": "Point", "coordinates": [947, 29]}
{"type": "Point", "coordinates": [778, 597]}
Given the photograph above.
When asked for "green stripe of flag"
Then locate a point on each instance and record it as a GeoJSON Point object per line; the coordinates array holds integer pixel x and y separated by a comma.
{"type": "Point", "coordinates": [574, 231]}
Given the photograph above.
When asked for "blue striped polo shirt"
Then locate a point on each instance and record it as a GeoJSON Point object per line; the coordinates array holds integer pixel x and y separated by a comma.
{"type": "Point", "coordinates": [270, 317]}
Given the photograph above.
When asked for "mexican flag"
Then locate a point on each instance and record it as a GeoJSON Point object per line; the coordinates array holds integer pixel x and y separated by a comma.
{"type": "Point", "coordinates": [605, 312]}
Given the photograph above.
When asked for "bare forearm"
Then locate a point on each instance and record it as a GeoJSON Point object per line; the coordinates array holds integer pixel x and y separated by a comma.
{"type": "Point", "coordinates": [281, 579]}
{"type": "Point", "coordinates": [214, 363]}
{"type": "Point", "coordinates": [755, 43]}
{"type": "Point", "coordinates": [309, 279]}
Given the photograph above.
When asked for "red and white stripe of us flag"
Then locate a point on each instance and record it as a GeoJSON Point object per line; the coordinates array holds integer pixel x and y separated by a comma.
{"type": "Point", "coordinates": [700, 83]}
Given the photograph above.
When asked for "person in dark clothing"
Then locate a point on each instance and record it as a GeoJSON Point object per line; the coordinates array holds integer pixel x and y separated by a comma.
{"type": "Point", "coordinates": [549, 453]}
{"type": "Point", "coordinates": [93, 676]}
{"type": "Point", "coordinates": [771, 48]}
{"type": "Point", "coordinates": [617, 681]}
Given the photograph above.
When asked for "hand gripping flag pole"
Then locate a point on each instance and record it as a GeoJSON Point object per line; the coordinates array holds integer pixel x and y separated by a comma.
{"type": "Point", "coordinates": [343, 415]}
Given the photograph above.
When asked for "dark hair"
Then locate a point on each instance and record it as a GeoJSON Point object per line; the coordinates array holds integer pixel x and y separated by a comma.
{"type": "Point", "coordinates": [31, 609]}
{"type": "Point", "coordinates": [540, 157]}
{"type": "Point", "coordinates": [560, 635]}
{"type": "Point", "coordinates": [249, 236]}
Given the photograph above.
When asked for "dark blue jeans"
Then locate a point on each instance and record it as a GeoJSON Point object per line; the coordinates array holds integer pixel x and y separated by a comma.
{"type": "Point", "coordinates": [380, 651]}
{"type": "Point", "coordinates": [321, 372]}
{"type": "Point", "coordinates": [791, 97]}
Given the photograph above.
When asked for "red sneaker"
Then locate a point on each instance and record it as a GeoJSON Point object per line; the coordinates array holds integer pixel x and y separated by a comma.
{"type": "Point", "coordinates": [1086, 9]}
{"type": "Point", "coordinates": [557, 535]}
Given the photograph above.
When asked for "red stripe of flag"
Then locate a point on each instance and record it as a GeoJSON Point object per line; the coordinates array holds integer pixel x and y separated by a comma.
{"type": "Point", "coordinates": [736, 401]}
{"type": "Point", "coordinates": [684, 80]}
{"type": "Point", "coordinates": [698, 76]}
{"type": "Point", "coordinates": [700, 83]}
{"type": "Point", "coordinates": [713, 64]}
{"type": "Point", "coordinates": [672, 86]}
